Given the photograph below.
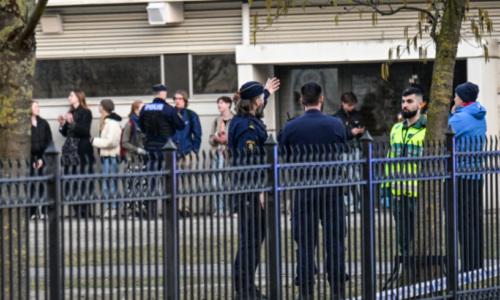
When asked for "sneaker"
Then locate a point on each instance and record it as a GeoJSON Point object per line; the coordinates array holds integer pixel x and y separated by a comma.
{"type": "Point", "coordinates": [216, 214]}
{"type": "Point", "coordinates": [43, 216]}
{"type": "Point", "coordinates": [33, 217]}
{"type": "Point", "coordinates": [107, 214]}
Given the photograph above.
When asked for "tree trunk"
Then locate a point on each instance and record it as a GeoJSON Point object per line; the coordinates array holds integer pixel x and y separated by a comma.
{"type": "Point", "coordinates": [428, 241]}
{"type": "Point", "coordinates": [444, 66]}
{"type": "Point", "coordinates": [17, 66]}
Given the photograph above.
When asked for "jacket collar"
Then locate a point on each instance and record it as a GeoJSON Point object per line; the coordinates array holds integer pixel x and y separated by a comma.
{"type": "Point", "coordinates": [159, 100]}
{"type": "Point", "coordinates": [421, 123]}
{"type": "Point", "coordinates": [114, 117]}
{"type": "Point", "coordinates": [254, 119]}
{"type": "Point", "coordinates": [312, 111]}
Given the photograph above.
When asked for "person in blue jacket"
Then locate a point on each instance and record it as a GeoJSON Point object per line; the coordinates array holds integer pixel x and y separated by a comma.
{"type": "Point", "coordinates": [189, 139]}
{"type": "Point", "coordinates": [327, 135]}
{"type": "Point", "coordinates": [246, 137]}
{"type": "Point", "coordinates": [158, 122]}
{"type": "Point", "coordinates": [468, 120]}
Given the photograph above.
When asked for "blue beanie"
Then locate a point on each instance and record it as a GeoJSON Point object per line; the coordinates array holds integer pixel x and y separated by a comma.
{"type": "Point", "coordinates": [251, 90]}
{"type": "Point", "coordinates": [467, 92]}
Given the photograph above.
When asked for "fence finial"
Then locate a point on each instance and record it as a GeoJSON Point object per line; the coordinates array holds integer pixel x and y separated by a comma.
{"type": "Point", "coordinates": [366, 137]}
{"type": "Point", "coordinates": [52, 149]}
{"type": "Point", "coordinates": [170, 145]}
{"type": "Point", "coordinates": [271, 141]}
{"type": "Point", "coordinates": [450, 130]}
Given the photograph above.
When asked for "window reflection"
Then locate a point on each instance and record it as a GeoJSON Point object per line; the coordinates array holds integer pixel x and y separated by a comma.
{"type": "Point", "coordinates": [215, 74]}
{"type": "Point", "coordinates": [127, 76]}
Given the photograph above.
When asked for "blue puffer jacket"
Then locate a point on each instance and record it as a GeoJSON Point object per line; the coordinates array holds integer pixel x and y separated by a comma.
{"type": "Point", "coordinates": [188, 139]}
{"type": "Point", "coordinates": [469, 121]}
{"type": "Point", "coordinates": [470, 125]}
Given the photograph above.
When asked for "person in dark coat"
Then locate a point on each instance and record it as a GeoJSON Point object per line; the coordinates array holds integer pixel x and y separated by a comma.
{"type": "Point", "coordinates": [326, 134]}
{"type": "Point", "coordinates": [77, 150]}
{"type": "Point", "coordinates": [158, 122]}
{"type": "Point", "coordinates": [246, 135]}
{"type": "Point", "coordinates": [351, 118]}
{"type": "Point", "coordinates": [41, 136]}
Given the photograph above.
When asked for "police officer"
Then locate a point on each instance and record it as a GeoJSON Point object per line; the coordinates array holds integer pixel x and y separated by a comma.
{"type": "Point", "coordinates": [320, 205]}
{"type": "Point", "coordinates": [246, 135]}
{"type": "Point", "coordinates": [158, 122]}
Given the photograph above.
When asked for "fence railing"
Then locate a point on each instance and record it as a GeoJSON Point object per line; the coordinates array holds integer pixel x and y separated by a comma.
{"type": "Point", "coordinates": [317, 222]}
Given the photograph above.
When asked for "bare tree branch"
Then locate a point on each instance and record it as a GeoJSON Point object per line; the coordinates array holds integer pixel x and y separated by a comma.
{"type": "Point", "coordinates": [392, 12]}
{"type": "Point", "coordinates": [32, 22]}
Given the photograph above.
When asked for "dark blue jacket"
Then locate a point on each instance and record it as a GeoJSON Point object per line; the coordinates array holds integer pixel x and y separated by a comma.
{"type": "Point", "coordinates": [246, 134]}
{"type": "Point", "coordinates": [189, 138]}
{"type": "Point", "coordinates": [171, 118]}
{"type": "Point", "coordinates": [312, 128]}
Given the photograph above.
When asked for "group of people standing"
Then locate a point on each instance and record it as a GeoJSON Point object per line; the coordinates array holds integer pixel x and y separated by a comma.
{"type": "Point", "coordinates": [151, 125]}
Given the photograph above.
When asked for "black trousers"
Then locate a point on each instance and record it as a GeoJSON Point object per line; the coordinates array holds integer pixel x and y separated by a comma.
{"type": "Point", "coordinates": [251, 235]}
{"type": "Point", "coordinates": [470, 223]}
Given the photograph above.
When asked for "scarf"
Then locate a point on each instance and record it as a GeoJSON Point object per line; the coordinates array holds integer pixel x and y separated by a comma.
{"type": "Point", "coordinates": [135, 119]}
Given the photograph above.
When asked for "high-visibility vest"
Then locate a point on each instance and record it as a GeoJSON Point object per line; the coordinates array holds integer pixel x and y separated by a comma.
{"type": "Point", "coordinates": [405, 142]}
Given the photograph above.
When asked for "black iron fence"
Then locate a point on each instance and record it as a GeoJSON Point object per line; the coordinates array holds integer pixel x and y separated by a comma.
{"type": "Point", "coordinates": [336, 222]}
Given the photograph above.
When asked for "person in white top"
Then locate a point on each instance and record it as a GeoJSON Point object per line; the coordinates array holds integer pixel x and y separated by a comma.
{"type": "Point", "coordinates": [109, 144]}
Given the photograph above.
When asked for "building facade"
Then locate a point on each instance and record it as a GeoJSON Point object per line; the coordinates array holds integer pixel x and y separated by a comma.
{"type": "Point", "coordinates": [109, 49]}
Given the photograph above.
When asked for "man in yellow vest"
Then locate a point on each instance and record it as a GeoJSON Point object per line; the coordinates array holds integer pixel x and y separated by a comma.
{"type": "Point", "coordinates": [406, 141]}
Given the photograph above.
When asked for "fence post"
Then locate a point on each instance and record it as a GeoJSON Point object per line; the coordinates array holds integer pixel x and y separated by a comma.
{"type": "Point", "coordinates": [451, 216]}
{"type": "Point", "coordinates": [273, 220]}
{"type": "Point", "coordinates": [170, 226]}
{"type": "Point", "coordinates": [368, 221]}
{"type": "Point", "coordinates": [54, 195]}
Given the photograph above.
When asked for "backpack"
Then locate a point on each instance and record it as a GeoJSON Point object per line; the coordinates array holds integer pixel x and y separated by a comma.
{"type": "Point", "coordinates": [123, 150]}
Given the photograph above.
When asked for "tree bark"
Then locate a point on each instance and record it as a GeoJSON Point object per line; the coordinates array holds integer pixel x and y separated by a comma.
{"type": "Point", "coordinates": [17, 66]}
{"type": "Point", "coordinates": [444, 66]}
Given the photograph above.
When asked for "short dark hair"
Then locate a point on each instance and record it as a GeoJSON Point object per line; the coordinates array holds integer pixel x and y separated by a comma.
{"type": "Point", "coordinates": [349, 98]}
{"type": "Point", "coordinates": [311, 93]}
{"type": "Point", "coordinates": [226, 100]}
{"type": "Point", "coordinates": [412, 91]}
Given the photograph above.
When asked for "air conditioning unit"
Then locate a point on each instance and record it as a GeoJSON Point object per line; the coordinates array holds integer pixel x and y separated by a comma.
{"type": "Point", "coordinates": [161, 13]}
{"type": "Point", "coordinates": [51, 24]}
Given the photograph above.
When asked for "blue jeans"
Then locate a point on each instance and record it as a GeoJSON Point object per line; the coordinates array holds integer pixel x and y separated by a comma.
{"type": "Point", "coordinates": [220, 201]}
{"type": "Point", "coordinates": [109, 165]}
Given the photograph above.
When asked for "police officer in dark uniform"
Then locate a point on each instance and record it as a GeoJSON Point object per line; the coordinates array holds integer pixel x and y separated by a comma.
{"type": "Point", "coordinates": [246, 136]}
{"type": "Point", "coordinates": [158, 122]}
{"type": "Point", "coordinates": [312, 206]}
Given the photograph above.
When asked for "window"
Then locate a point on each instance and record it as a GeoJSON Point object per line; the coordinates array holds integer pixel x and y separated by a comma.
{"type": "Point", "coordinates": [214, 74]}
{"type": "Point", "coordinates": [127, 76]}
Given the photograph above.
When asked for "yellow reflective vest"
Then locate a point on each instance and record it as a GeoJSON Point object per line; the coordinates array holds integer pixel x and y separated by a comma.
{"type": "Point", "coordinates": [406, 141]}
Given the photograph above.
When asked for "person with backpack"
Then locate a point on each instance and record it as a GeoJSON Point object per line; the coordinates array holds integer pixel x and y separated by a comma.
{"type": "Point", "coordinates": [188, 142]}
{"type": "Point", "coordinates": [109, 144]}
{"type": "Point", "coordinates": [133, 153]}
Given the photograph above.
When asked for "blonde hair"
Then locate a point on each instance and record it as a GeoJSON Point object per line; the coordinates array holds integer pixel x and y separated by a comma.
{"type": "Point", "coordinates": [135, 106]}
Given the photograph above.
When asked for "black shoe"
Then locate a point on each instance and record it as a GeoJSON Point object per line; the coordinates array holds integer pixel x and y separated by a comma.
{"type": "Point", "coordinates": [184, 214]}
{"type": "Point", "coordinates": [306, 293]}
{"type": "Point", "coordinates": [251, 294]}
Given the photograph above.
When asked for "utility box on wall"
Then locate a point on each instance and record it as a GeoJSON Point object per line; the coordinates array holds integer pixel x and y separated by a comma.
{"type": "Point", "coordinates": [161, 13]}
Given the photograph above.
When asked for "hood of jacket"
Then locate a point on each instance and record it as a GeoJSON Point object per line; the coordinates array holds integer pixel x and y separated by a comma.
{"type": "Point", "coordinates": [475, 109]}
{"type": "Point", "coordinates": [114, 117]}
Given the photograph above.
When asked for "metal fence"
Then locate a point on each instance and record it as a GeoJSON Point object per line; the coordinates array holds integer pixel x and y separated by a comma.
{"type": "Point", "coordinates": [316, 222]}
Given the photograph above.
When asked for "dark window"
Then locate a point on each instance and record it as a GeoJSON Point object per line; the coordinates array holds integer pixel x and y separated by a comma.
{"type": "Point", "coordinates": [127, 76]}
{"type": "Point", "coordinates": [176, 73]}
{"type": "Point", "coordinates": [215, 74]}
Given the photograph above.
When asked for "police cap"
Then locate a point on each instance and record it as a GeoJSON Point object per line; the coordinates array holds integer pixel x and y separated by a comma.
{"type": "Point", "coordinates": [251, 90]}
{"type": "Point", "coordinates": [159, 88]}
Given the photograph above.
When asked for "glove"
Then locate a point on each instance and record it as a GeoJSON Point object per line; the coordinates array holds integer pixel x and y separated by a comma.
{"type": "Point", "coordinates": [141, 151]}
